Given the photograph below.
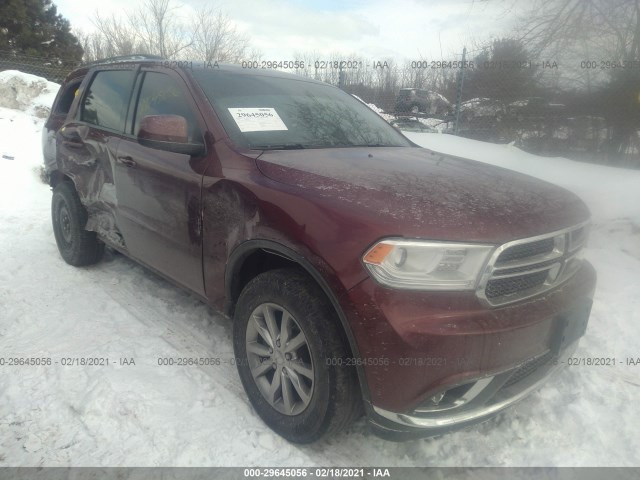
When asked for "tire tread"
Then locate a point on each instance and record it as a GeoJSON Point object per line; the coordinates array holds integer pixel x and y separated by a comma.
{"type": "Point", "coordinates": [345, 399]}
{"type": "Point", "coordinates": [86, 248]}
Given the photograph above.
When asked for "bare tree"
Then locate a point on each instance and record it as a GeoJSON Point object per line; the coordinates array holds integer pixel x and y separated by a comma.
{"type": "Point", "coordinates": [160, 30]}
{"type": "Point", "coordinates": [216, 38]}
{"type": "Point", "coordinates": [117, 37]}
{"type": "Point", "coordinates": [555, 25]}
{"type": "Point", "coordinates": [600, 42]}
{"type": "Point", "coordinates": [157, 28]}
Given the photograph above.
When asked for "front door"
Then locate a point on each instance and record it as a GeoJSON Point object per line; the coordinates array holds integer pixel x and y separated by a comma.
{"type": "Point", "coordinates": [158, 192]}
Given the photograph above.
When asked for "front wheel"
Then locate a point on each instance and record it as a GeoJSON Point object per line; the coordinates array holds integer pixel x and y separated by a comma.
{"type": "Point", "coordinates": [77, 246]}
{"type": "Point", "coordinates": [292, 357]}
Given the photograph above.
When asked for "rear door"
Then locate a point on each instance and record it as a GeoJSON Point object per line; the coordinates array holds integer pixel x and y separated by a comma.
{"type": "Point", "coordinates": [87, 143]}
{"type": "Point", "coordinates": [158, 192]}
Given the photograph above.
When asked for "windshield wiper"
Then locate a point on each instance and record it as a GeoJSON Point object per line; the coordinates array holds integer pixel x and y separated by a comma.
{"type": "Point", "coordinates": [282, 146]}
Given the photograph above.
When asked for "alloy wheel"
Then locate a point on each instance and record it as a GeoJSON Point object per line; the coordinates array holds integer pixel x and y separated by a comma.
{"type": "Point", "coordinates": [279, 359]}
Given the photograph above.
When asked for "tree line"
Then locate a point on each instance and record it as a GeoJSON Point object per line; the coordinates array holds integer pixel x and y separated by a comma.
{"type": "Point", "coordinates": [595, 45]}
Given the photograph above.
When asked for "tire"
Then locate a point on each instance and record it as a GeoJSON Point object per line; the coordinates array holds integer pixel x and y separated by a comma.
{"type": "Point", "coordinates": [77, 246]}
{"type": "Point", "coordinates": [323, 400]}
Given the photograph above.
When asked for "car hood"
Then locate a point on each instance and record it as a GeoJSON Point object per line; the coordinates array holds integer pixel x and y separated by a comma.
{"type": "Point", "coordinates": [415, 192]}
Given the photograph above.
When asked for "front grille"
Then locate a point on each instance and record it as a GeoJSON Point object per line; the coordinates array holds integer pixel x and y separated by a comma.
{"type": "Point", "coordinates": [525, 250]}
{"type": "Point", "coordinates": [527, 369]}
{"type": "Point", "coordinates": [510, 285]}
{"type": "Point", "coordinates": [528, 267]}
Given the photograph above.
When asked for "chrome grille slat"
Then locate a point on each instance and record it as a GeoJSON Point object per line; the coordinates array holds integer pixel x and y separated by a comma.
{"type": "Point", "coordinates": [537, 260]}
{"type": "Point", "coordinates": [533, 268]}
{"type": "Point", "coordinates": [527, 267]}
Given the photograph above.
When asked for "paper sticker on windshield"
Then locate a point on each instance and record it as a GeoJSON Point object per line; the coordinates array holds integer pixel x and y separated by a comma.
{"type": "Point", "coordinates": [257, 119]}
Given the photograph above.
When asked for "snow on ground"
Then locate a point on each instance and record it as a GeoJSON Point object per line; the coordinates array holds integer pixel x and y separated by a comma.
{"type": "Point", "coordinates": [150, 415]}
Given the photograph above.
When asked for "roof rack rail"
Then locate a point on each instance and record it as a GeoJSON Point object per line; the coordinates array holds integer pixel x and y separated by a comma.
{"type": "Point", "coordinates": [125, 58]}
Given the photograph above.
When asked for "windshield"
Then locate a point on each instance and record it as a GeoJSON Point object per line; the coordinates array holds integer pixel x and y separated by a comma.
{"type": "Point", "coordinates": [264, 112]}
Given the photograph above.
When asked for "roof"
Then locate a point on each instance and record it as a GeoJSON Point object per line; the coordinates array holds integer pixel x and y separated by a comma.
{"type": "Point", "coordinates": [189, 65]}
{"type": "Point", "coordinates": [126, 58]}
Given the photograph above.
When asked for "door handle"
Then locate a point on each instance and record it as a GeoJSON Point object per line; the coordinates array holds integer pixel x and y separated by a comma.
{"type": "Point", "coordinates": [127, 160]}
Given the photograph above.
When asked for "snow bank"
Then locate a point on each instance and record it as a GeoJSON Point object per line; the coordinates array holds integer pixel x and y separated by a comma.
{"type": "Point", "coordinates": [376, 109]}
{"type": "Point", "coordinates": [28, 93]}
{"type": "Point", "coordinates": [25, 103]}
{"type": "Point", "coordinates": [436, 123]}
{"type": "Point", "coordinates": [20, 142]}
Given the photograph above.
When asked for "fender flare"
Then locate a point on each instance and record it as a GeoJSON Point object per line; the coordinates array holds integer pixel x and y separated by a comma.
{"type": "Point", "coordinates": [248, 247]}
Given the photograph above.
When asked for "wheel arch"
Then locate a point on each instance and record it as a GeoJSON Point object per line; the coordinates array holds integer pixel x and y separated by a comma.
{"type": "Point", "coordinates": [239, 272]}
{"type": "Point", "coordinates": [56, 176]}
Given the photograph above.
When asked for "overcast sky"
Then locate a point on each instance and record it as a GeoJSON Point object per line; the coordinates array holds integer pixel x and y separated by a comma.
{"type": "Point", "coordinates": [375, 29]}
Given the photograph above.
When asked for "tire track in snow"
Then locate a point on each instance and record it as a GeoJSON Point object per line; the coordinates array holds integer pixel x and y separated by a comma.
{"type": "Point", "coordinates": [179, 331]}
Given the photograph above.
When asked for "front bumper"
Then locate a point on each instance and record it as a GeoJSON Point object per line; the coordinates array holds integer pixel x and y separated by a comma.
{"type": "Point", "coordinates": [477, 360]}
{"type": "Point", "coordinates": [489, 398]}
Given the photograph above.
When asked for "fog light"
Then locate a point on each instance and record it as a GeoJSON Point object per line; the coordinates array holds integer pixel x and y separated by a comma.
{"type": "Point", "coordinates": [436, 399]}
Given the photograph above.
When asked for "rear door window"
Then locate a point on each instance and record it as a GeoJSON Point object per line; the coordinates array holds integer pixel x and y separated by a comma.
{"type": "Point", "coordinates": [107, 98]}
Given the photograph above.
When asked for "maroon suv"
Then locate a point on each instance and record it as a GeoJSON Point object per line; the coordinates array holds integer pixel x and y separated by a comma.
{"type": "Point", "coordinates": [362, 272]}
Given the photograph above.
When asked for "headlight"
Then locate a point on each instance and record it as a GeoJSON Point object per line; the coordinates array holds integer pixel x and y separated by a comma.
{"type": "Point", "coordinates": [417, 265]}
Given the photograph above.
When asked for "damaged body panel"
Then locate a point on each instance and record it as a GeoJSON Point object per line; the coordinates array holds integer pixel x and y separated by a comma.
{"type": "Point", "coordinates": [431, 290]}
{"type": "Point", "coordinates": [88, 157]}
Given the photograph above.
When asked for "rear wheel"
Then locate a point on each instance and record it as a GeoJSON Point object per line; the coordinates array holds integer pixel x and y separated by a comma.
{"type": "Point", "coordinates": [77, 246]}
{"type": "Point", "coordinates": [292, 357]}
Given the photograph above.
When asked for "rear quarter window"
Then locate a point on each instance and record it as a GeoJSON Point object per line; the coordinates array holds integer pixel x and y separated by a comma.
{"type": "Point", "coordinates": [67, 96]}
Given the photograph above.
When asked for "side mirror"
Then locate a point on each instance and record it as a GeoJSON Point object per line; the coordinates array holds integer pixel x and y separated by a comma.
{"type": "Point", "coordinates": [169, 133]}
